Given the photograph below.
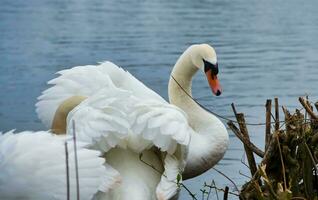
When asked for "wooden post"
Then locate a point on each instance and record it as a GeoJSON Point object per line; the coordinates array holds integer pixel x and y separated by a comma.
{"type": "Point", "coordinates": [276, 114]}
{"type": "Point", "coordinates": [249, 153]}
{"type": "Point", "coordinates": [226, 193]}
{"type": "Point", "coordinates": [316, 105]}
{"type": "Point", "coordinates": [268, 122]}
{"type": "Point", "coordinates": [244, 140]}
{"type": "Point", "coordinates": [67, 172]}
{"type": "Point", "coordinates": [76, 162]}
{"type": "Point", "coordinates": [308, 108]}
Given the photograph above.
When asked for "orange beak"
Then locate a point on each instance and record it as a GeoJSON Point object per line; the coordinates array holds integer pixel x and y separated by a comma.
{"type": "Point", "coordinates": [213, 82]}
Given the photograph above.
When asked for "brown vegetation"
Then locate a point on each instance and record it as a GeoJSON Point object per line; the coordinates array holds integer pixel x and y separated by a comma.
{"type": "Point", "coordinates": [288, 169]}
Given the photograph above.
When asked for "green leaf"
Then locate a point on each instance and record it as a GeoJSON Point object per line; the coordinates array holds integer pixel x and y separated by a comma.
{"type": "Point", "coordinates": [179, 178]}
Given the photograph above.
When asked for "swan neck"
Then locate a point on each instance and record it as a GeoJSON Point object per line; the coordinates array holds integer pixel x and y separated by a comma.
{"type": "Point", "coordinates": [209, 138]}
{"type": "Point", "coordinates": [180, 82]}
{"type": "Point", "coordinates": [60, 118]}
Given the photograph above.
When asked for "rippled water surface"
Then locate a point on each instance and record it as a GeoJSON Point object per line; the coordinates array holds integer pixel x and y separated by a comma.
{"type": "Point", "coordinates": [265, 49]}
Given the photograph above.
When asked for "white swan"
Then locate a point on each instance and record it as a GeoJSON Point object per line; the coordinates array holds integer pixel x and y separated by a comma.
{"type": "Point", "coordinates": [33, 167]}
{"type": "Point", "coordinates": [120, 116]}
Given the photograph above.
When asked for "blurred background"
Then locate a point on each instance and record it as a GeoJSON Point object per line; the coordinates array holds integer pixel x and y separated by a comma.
{"type": "Point", "coordinates": [265, 49]}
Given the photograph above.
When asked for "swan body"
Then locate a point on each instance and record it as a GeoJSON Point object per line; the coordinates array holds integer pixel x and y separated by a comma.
{"type": "Point", "coordinates": [114, 119]}
{"type": "Point", "coordinates": [118, 115]}
{"type": "Point", "coordinates": [33, 167]}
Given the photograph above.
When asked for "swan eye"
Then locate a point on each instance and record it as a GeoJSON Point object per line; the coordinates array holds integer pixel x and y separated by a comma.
{"type": "Point", "coordinates": [209, 66]}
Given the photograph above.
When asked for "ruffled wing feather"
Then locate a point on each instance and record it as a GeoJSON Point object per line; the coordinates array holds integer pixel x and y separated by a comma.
{"type": "Point", "coordinates": [101, 119]}
{"type": "Point", "coordinates": [163, 124]}
{"type": "Point", "coordinates": [86, 81]}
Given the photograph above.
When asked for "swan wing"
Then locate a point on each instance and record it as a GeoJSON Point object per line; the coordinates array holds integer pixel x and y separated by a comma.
{"type": "Point", "coordinates": [117, 117]}
{"type": "Point", "coordinates": [115, 98]}
{"type": "Point", "coordinates": [165, 125]}
{"type": "Point", "coordinates": [86, 81]}
{"type": "Point", "coordinates": [101, 120]}
{"type": "Point", "coordinates": [33, 166]}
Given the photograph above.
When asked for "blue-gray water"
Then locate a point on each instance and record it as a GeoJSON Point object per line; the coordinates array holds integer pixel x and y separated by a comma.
{"type": "Point", "coordinates": [266, 49]}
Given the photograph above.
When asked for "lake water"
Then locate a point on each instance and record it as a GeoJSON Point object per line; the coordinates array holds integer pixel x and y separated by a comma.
{"type": "Point", "coordinates": [266, 49]}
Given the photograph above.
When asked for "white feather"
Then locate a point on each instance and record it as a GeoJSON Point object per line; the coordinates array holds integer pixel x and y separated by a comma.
{"type": "Point", "coordinates": [168, 186]}
{"type": "Point", "coordinates": [85, 81]}
{"type": "Point", "coordinates": [33, 166]}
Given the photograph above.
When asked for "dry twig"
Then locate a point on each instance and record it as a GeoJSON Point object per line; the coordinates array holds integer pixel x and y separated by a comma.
{"type": "Point", "coordinates": [250, 145]}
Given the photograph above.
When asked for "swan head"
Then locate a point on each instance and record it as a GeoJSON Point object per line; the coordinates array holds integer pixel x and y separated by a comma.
{"type": "Point", "coordinates": [203, 56]}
